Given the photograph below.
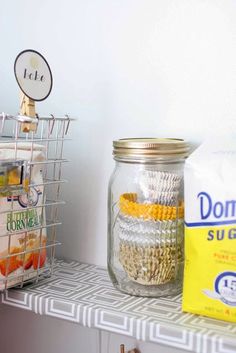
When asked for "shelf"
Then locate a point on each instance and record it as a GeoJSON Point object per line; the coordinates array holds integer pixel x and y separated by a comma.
{"type": "Point", "coordinates": [83, 294]}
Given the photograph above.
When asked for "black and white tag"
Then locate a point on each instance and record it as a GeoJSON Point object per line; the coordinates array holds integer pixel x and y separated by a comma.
{"type": "Point", "coordinates": [33, 75]}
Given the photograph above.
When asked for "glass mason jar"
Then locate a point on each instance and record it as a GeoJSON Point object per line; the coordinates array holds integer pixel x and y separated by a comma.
{"type": "Point", "coordinates": [146, 216]}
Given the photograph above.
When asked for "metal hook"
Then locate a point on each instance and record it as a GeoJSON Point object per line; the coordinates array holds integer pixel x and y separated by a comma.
{"type": "Point", "coordinates": [122, 349]}
{"type": "Point", "coordinates": [37, 123]}
{"type": "Point", "coordinates": [3, 121]}
{"type": "Point", "coordinates": [52, 126]}
{"type": "Point", "coordinates": [68, 123]}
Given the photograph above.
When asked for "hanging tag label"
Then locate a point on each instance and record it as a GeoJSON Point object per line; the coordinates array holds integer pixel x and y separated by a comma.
{"type": "Point", "coordinates": [33, 75]}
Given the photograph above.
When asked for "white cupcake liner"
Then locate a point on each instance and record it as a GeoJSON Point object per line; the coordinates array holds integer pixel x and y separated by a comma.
{"type": "Point", "coordinates": [141, 225]}
{"type": "Point", "coordinates": [149, 233]}
{"type": "Point", "coordinates": [159, 187]}
{"type": "Point", "coordinates": [149, 239]}
{"type": "Point", "coordinates": [167, 198]}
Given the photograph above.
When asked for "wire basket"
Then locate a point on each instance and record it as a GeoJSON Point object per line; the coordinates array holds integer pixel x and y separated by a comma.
{"type": "Point", "coordinates": [31, 159]}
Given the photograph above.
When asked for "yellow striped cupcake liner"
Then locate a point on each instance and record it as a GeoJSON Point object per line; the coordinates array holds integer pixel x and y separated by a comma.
{"type": "Point", "coordinates": [130, 207]}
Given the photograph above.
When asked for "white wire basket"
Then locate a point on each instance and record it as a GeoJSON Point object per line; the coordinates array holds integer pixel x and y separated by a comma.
{"type": "Point", "coordinates": [31, 159]}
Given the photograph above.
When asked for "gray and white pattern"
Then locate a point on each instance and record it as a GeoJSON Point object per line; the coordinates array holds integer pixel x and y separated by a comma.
{"type": "Point", "coordinates": [83, 294]}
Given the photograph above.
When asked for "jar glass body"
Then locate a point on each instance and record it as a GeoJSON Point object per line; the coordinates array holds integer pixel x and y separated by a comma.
{"type": "Point", "coordinates": [146, 227]}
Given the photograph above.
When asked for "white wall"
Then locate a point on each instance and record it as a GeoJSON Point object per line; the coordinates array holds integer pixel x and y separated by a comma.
{"type": "Point", "coordinates": [123, 68]}
{"type": "Point", "coordinates": [34, 333]}
{"type": "Point", "coordinates": [25, 332]}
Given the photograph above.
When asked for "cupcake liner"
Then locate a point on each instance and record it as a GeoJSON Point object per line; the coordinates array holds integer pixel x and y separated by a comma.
{"type": "Point", "coordinates": [149, 233]}
{"type": "Point", "coordinates": [168, 198]}
{"type": "Point", "coordinates": [159, 187]}
{"type": "Point", "coordinates": [130, 207]}
{"type": "Point", "coordinates": [150, 239]}
{"type": "Point", "coordinates": [149, 251]}
{"type": "Point", "coordinates": [142, 226]}
{"type": "Point", "coordinates": [151, 265]}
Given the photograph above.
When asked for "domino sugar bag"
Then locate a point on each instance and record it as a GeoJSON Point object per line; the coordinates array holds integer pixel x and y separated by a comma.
{"type": "Point", "coordinates": [210, 230]}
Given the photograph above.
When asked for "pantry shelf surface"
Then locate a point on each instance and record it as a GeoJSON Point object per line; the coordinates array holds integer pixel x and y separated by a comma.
{"type": "Point", "coordinates": [83, 294]}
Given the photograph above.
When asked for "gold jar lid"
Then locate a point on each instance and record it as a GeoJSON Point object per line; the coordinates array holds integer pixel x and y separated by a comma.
{"type": "Point", "coordinates": [141, 149]}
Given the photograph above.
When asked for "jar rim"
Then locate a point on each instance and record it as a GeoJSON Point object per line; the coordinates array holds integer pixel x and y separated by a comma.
{"type": "Point", "coordinates": [150, 148]}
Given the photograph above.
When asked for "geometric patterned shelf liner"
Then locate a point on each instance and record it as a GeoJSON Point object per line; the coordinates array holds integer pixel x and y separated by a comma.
{"type": "Point", "coordinates": [83, 294]}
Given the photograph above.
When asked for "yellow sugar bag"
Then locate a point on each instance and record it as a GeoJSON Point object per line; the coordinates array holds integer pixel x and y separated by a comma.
{"type": "Point", "coordinates": [210, 230]}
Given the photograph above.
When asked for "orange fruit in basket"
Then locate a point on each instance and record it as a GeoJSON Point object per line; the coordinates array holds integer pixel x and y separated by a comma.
{"type": "Point", "coordinates": [12, 263]}
{"type": "Point", "coordinates": [32, 258]}
{"type": "Point", "coordinates": [39, 258]}
{"type": "Point", "coordinates": [28, 262]}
